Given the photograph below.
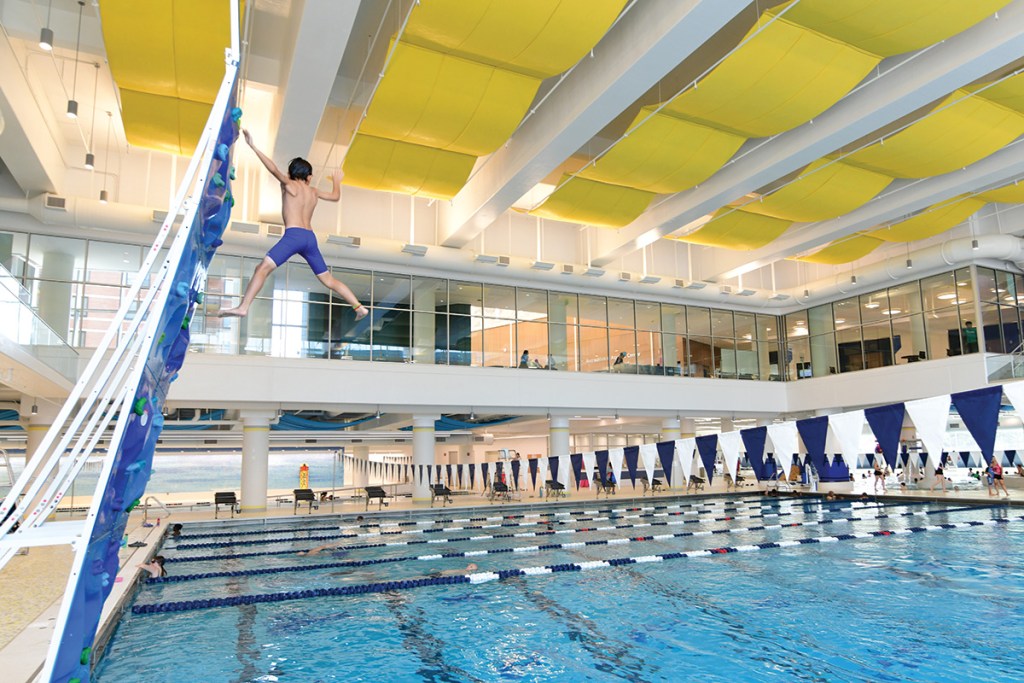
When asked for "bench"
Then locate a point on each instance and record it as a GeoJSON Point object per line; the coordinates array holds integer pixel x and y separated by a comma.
{"type": "Point", "coordinates": [653, 486]}
{"type": "Point", "coordinates": [696, 482]}
{"type": "Point", "coordinates": [304, 496]}
{"type": "Point", "coordinates": [604, 486]}
{"type": "Point", "coordinates": [499, 491]}
{"type": "Point", "coordinates": [375, 492]}
{"type": "Point", "coordinates": [440, 491]}
{"type": "Point", "coordinates": [225, 498]}
{"type": "Point", "coordinates": [553, 489]}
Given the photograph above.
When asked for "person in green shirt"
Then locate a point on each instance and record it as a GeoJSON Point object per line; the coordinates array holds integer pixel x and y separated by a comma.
{"type": "Point", "coordinates": [970, 333]}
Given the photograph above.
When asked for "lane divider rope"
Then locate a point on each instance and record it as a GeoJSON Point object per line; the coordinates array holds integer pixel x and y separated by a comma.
{"type": "Point", "coordinates": [484, 577]}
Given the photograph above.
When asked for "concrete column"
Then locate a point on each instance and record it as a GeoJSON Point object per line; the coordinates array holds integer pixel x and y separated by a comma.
{"type": "Point", "coordinates": [558, 435]}
{"type": "Point", "coordinates": [726, 424]}
{"type": "Point", "coordinates": [687, 428]}
{"type": "Point", "coordinates": [424, 328]}
{"type": "Point", "coordinates": [361, 467]}
{"type": "Point", "coordinates": [54, 298]}
{"type": "Point", "coordinates": [255, 457]}
{"type": "Point", "coordinates": [37, 424]}
{"type": "Point", "coordinates": [670, 429]}
{"type": "Point", "coordinates": [422, 454]}
{"type": "Point", "coordinates": [764, 421]}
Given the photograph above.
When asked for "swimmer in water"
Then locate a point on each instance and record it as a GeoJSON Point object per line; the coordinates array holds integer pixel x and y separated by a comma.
{"type": "Point", "coordinates": [321, 548]}
{"type": "Point", "coordinates": [155, 567]}
{"type": "Point", "coordinates": [456, 572]}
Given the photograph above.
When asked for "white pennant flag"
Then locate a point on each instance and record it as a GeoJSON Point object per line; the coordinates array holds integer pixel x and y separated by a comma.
{"type": "Point", "coordinates": [1015, 392]}
{"type": "Point", "coordinates": [565, 471]}
{"type": "Point", "coordinates": [848, 429]}
{"type": "Point", "coordinates": [589, 464]}
{"type": "Point", "coordinates": [684, 453]}
{"type": "Point", "coordinates": [648, 454]}
{"type": "Point", "coordinates": [730, 443]}
{"type": "Point", "coordinates": [930, 417]}
{"type": "Point", "coordinates": [615, 458]}
{"type": "Point", "coordinates": [543, 471]}
{"type": "Point", "coordinates": [784, 438]}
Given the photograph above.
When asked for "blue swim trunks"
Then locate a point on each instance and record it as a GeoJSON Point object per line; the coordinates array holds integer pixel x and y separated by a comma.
{"type": "Point", "coordinates": [302, 242]}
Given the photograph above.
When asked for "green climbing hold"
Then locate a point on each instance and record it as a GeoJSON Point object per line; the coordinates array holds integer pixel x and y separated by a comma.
{"type": "Point", "coordinates": [135, 504]}
{"type": "Point", "coordinates": [140, 406]}
{"type": "Point", "coordinates": [86, 653]}
{"type": "Point", "coordinates": [231, 173]}
{"type": "Point", "coordinates": [200, 297]}
{"type": "Point", "coordinates": [162, 337]}
{"type": "Point", "coordinates": [218, 180]}
{"type": "Point", "coordinates": [185, 322]}
{"type": "Point", "coordinates": [230, 199]}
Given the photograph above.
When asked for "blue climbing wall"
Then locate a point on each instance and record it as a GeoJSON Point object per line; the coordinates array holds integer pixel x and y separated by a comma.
{"type": "Point", "coordinates": [133, 460]}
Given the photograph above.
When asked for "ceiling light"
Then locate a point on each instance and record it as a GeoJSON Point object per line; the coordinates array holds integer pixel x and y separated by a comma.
{"type": "Point", "coordinates": [800, 322]}
{"type": "Point", "coordinates": [962, 284]}
{"type": "Point", "coordinates": [414, 249]}
{"type": "Point", "coordinates": [73, 103]}
{"type": "Point", "coordinates": [892, 311]}
{"type": "Point", "coordinates": [46, 39]}
{"type": "Point", "coordinates": [946, 296]}
{"type": "Point", "coordinates": [853, 279]}
{"type": "Point", "coordinates": [104, 197]}
{"type": "Point", "coordinates": [779, 297]}
{"type": "Point", "coordinates": [72, 109]}
{"type": "Point", "coordinates": [35, 409]}
{"type": "Point", "coordinates": [840, 321]}
{"type": "Point", "coordinates": [910, 264]}
{"type": "Point", "coordinates": [542, 265]}
{"type": "Point", "coordinates": [746, 292]}
{"type": "Point", "coordinates": [90, 161]}
{"type": "Point", "coordinates": [871, 304]}
{"type": "Point", "coordinates": [974, 244]}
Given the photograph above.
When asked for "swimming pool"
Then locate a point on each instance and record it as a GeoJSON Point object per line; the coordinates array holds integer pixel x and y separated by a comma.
{"type": "Point", "coordinates": [939, 605]}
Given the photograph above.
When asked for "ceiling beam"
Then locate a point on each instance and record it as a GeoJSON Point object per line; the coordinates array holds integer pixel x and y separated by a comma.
{"type": "Point", "coordinates": [1001, 167]}
{"type": "Point", "coordinates": [649, 41]}
{"type": "Point", "coordinates": [914, 83]}
{"type": "Point", "coordinates": [320, 32]}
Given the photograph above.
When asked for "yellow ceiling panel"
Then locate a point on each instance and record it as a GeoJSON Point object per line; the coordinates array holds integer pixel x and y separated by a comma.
{"type": "Point", "coordinates": [737, 229]}
{"type": "Point", "coordinates": [380, 164]}
{"type": "Point", "coordinates": [587, 201]}
{"type": "Point", "coordinates": [844, 250]}
{"type": "Point", "coordinates": [429, 98]}
{"type": "Point", "coordinates": [1011, 194]}
{"type": "Point", "coordinates": [781, 78]}
{"type": "Point", "coordinates": [536, 37]}
{"type": "Point", "coordinates": [891, 27]}
{"type": "Point", "coordinates": [826, 189]}
{"type": "Point", "coordinates": [932, 221]}
{"type": "Point", "coordinates": [141, 59]}
{"type": "Point", "coordinates": [1009, 92]}
{"type": "Point", "coordinates": [151, 121]}
{"type": "Point", "coordinates": [960, 131]}
{"type": "Point", "coordinates": [201, 32]}
{"type": "Point", "coordinates": [664, 154]}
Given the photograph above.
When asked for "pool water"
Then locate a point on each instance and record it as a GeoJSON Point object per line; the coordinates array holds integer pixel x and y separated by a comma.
{"type": "Point", "coordinates": [941, 605]}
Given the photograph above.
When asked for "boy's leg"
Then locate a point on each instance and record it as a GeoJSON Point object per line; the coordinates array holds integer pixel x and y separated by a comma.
{"type": "Point", "coordinates": [259, 276]}
{"type": "Point", "coordinates": [342, 290]}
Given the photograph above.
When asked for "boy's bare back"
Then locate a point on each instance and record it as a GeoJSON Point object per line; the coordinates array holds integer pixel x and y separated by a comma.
{"type": "Point", "coordinates": [298, 200]}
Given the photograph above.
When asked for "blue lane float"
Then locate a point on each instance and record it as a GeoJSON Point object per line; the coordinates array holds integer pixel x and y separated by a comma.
{"type": "Point", "coordinates": [540, 548]}
{"type": "Point", "coordinates": [489, 537]}
{"type": "Point", "coordinates": [485, 577]}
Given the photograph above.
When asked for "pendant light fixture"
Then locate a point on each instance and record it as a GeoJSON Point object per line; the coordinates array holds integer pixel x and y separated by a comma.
{"type": "Point", "coordinates": [73, 103]}
{"type": "Point", "coordinates": [46, 34]}
{"type": "Point", "coordinates": [103, 193]}
{"type": "Point", "coordinates": [90, 156]}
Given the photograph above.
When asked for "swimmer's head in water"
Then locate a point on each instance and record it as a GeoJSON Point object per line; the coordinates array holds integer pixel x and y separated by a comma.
{"type": "Point", "coordinates": [471, 567]}
{"type": "Point", "coordinates": [299, 169]}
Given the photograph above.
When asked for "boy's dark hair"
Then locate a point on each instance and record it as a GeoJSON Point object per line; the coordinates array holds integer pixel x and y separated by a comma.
{"type": "Point", "coordinates": [299, 169]}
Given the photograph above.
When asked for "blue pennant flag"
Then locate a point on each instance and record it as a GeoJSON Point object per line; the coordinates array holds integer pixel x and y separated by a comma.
{"type": "Point", "coordinates": [886, 423]}
{"type": "Point", "coordinates": [632, 454]}
{"type": "Point", "coordinates": [979, 410]}
{"type": "Point", "coordinates": [814, 432]}
{"type": "Point", "coordinates": [602, 465]}
{"type": "Point", "coordinates": [1011, 456]}
{"type": "Point", "coordinates": [532, 464]}
{"type": "Point", "coordinates": [576, 460]}
{"type": "Point", "coordinates": [965, 457]}
{"type": "Point", "coordinates": [484, 468]}
{"type": "Point", "coordinates": [707, 447]}
{"type": "Point", "coordinates": [515, 475]}
{"type": "Point", "coordinates": [458, 473]}
{"type": "Point", "coordinates": [753, 441]}
{"type": "Point", "coordinates": [448, 471]}
{"type": "Point", "coordinates": [666, 452]}
{"type": "Point", "coordinates": [472, 475]}
{"type": "Point", "coordinates": [553, 467]}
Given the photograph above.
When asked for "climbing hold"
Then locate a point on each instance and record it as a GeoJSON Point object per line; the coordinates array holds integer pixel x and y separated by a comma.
{"type": "Point", "coordinates": [161, 339]}
{"type": "Point", "coordinates": [135, 504]}
{"type": "Point", "coordinates": [181, 289]}
{"type": "Point", "coordinates": [140, 405]}
{"type": "Point", "coordinates": [222, 152]}
{"type": "Point", "coordinates": [218, 180]}
{"type": "Point", "coordinates": [216, 243]}
{"type": "Point", "coordinates": [200, 296]}
{"type": "Point", "coordinates": [185, 322]}
{"type": "Point", "coordinates": [231, 173]}
{"type": "Point", "coordinates": [229, 198]}
{"type": "Point", "coordinates": [236, 114]}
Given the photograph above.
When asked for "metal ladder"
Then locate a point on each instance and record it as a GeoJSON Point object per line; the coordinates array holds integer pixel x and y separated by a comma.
{"type": "Point", "coordinates": [123, 387]}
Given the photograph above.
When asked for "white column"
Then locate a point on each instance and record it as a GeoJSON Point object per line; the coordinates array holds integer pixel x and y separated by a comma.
{"type": "Point", "coordinates": [424, 329]}
{"type": "Point", "coordinates": [54, 297]}
{"type": "Point", "coordinates": [422, 454]}
{"type": "Point", "coordinates": [558, 438]}
{"type": "Point", "coordinates": [36, 425]}
{"type": "Point", "coordinates": [726, 423]}
{"type": "Point", "coordinates": [670, 429]}
{"type": "Point", "coordinates": [687, 428]}
{"type": "Point", "coordinates": [255, 455]}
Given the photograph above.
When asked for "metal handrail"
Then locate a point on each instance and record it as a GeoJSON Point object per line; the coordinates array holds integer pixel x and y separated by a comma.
{"type": "Point", "coordinates": [145, 508]}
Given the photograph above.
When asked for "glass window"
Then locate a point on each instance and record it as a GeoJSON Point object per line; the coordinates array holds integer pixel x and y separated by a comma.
{"type": "Point", "coordinates": [877, 344]}
{"type": "Point", "coordinates": [390, 334]}
{"type": "Point", "coordinates": [796, 325]}
{"type": "Point", "coordinates": [698, 321]}
{"type": "Point", "coordinates": [562, 308]}
{"type": "Point", "coordinates": [908, 339]}
{"type": "Point", "coordinates": [499, 302]}
{"type": "Point", "coordinates": [620, 314]}
{"type": "Point", "coordinates": [1006, 290]}
{"type": "Point", "coordinates": [429, 337]}
{"type": "Point", "coordinates": [532, 304]}
{"type": "Point", "coordinates": [820, 320]}
{"type": "Point", "coordinates": [702, 363]}
{"type": "Point", "coordinates": [849, 349]}
{"type": "Point", "coordinates": [14, 253]}
{"type": "Point", "coordinates": [465, 298]}
{"type": "Point", "coordinates": [744, 325]}
{"type": "Point", "coordinates": [594, 355]}
{"type": "Point", "coordinates": [964, 288]}
{"type": "Point", "coordinates": [875, 307]}
{"type": "Point", "coordinates": [649, 357]}
{"type": "Point", "coordinates": [905, 298]}
{"type": "Point", "coordinates": [563, 344]}
{"type": "Point", "coordinates": [465, 335]}
{"type": "Point", "coordinates": [767, 327]}
{"type": "Point", "coordinates": [823, 355]}
{"type": "Point", "coordinates": [499, 344]}
{"type": "Point", "coordinates": [746, 359]}
{"type": "Point", "coordinates": [942, 327]}
{"type": "Point", "coordinates": [987, 289]}
{"type": "Point", "coordinates": [648, 316]}
{"type": "Point", "coordinates": [939, 291]}
{"type": "Point", "coordinates": [391, 291]}
{"type": "Point", "coordinates": [429, 294]}
{"type": "Point", "coordinates": [360, 282]}
{"type": "Point", "coordinates": [798, 357]}
{"type": "Point", "coordinates": [991, 328]}
{"type": "Point", "coordinates": [725, 358]}
{"type": "Point", "coordinates": [674, 349]}
{"type": "Point", "coordinates": [1010, 327]}
{"type": "Point", "coordinates": [56, 258]}
{"type": "Point", "coordinates": [532, 337]}
{"type": "Point", "coordinates": [106, 259]}
{"type": "Point", "coordinates": [673, 318]}
{"type": "Point", "coordinates": [722, 324]}
{"type": "Point", "coordinates": [593, 310]}
{"type": "Point", "coordinates": [623, 347]}
{"type": "Point", "coordinates": [768, 360]}
{"type": "Point", "coordinates": [847, 312]}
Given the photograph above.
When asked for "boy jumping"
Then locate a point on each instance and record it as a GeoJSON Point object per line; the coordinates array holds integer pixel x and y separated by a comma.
{"type": "Point", "coordinates": [298, 199]}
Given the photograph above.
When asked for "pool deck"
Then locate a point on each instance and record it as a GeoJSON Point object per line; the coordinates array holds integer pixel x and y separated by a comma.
{"type": "Point", "coordinates": [32, 584]}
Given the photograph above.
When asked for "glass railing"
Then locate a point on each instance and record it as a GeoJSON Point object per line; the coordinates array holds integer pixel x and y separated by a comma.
{"type": "Point", "coordinates": [23, 327]}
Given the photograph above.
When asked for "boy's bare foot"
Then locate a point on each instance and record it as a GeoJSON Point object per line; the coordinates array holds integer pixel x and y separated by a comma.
{"type": "Point", "coordinates": [361, 312]}
{"type": "Point", "coordinates": [230, 313]}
